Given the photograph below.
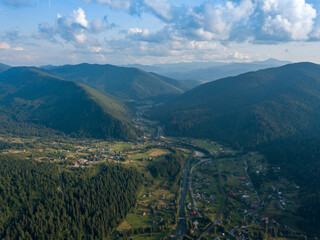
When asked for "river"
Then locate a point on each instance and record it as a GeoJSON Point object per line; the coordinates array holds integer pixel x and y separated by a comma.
{"type": "Point", "coordinates": [181, 229]}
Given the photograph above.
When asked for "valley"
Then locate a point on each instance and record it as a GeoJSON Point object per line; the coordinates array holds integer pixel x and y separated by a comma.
{"type": "Point", "coordinates": [101, 160]}
{"type": "Point", "coordinates": [160, 120]}
{"type": "Point", "coordinates": [220, 192]}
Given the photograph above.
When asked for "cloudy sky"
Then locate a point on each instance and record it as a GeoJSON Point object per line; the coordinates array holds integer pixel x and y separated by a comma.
{"type": "Point", "coordinates": [40, 32]}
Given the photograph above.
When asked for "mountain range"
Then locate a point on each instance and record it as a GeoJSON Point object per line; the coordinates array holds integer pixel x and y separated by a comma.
{"type": "Point", "coordinates": [249, 109]}
{"type": "Point", "coordinates": [128, 84]}
{"type": "Point", "coordinates": [32, 100]}
{"type": "Point", "coordinates": [201, 72]}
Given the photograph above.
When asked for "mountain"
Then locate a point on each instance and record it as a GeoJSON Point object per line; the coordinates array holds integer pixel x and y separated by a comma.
{"type": "Point", "coordinates": [48, 67]}
{"type": "Point", "coordinates": [166, 68]}
{"type": "Point", "coordinates": [275, 111]}
{"type": "Point", "coordinates": [32, 100]}
{"type": "Point", "coordinates": [201, 72]}
{"type": "Point", "coordinates": [129, 84]}
{"type": "Point", "coordinates": [227, 70]}
{"type": "Point", "coordinates": [249, 109]}
{"type": "Point", "coordinates": [3, 67]}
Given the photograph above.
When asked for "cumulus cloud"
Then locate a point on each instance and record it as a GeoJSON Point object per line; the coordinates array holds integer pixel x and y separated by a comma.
{"type": "Point", "coordinates": [228, 20]}
{"type": "Point", "coordinates": [216, 21]}
{"type": "Point", "coordinates": [287, 19]}
{"type": "Point", "coordinates": [74, 28]}
{"type": "Point", "coordinates": [79, 17]}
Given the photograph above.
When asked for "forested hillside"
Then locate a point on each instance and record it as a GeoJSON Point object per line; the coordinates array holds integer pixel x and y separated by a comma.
{"type": "Point", "coordinates": [36, 103]}
{"type": "Point", "coordinates": [129, 84]}
{"type": "Point", "coordinates": [250, 109]}
{"type": "Point", "coordinates": [39, 201]}
{"type": "Point", "coordinates": [275, 111]}
{"type": "Point", "coordinates": [300, 162]}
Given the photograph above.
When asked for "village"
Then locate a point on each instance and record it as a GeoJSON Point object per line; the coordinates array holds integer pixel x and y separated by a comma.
{"type": "Point", "coordinates": [239, 195]}
{"type": "Point", "coordinates": [230, 193]}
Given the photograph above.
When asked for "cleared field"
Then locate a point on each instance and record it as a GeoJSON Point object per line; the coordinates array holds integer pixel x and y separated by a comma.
{"type": "Point", "coordinates": [136, 220]}
{"type": "Point", "coordinates": [155, 152]}
{"type": "Point", "coordinates": [124, 226]}
{"type": "Point", "coordinates": [121, 147]}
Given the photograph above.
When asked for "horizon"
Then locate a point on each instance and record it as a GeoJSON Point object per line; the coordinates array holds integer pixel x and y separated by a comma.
{"type": "Point", "coordinates": [136, 65]}
{"type": "Point", "coordinates": [149, 32]}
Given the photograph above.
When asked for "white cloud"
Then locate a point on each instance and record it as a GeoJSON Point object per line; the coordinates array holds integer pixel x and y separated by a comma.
{"type": "Point", "coordinates": [18, 49]}
{"type": "Point", "coordinates": [80, 17]}
{"type": "Point", "coordinates": [288, 19]}
{"type": "Point", "coordinates": [229, 20]}
{"type": "Point", "coordinates": [74, 29]}
{"type": "Point", "coordinates": [240, 56]}
{"type": "Point", "coordinates": [4, 45]}
{"type": "Point", "coordinates": [214, 21]}
{"type": "Point", "coordinates": [135, 30]}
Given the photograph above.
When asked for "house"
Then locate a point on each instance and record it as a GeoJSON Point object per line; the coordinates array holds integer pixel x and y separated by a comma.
{"type": "Point", "coordinates": [75, 164]}
{"type": "Point", "coordinates": [232, 193]}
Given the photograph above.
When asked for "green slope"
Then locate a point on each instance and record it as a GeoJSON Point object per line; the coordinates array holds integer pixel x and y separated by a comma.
{"type": "Point", "coordinates": [249, 109]}
{"type": "Point", "coordinates": [129, 84]}
{"type": "Point", "coordinates": [30, 97]}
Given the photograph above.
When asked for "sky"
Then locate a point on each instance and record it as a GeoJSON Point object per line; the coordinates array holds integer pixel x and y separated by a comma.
{"type": "Point", "coordinates": [57, 32]}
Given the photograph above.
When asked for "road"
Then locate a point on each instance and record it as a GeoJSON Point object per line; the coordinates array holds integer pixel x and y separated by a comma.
{"type": "Point", "coordinates": [215, 222]}
{"type": "Point", "coordinates": [255, 190]}
{"type": "Point", "coordinates": [190, 185]}
{"type": "Point", "coordinates": [181, 229]}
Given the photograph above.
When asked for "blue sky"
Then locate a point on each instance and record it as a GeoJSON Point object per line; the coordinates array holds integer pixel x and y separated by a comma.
{"type": "Point", "coordinates": [40, 32]}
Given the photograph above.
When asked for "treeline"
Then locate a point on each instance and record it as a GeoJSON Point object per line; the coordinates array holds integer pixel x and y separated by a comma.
{"type": "Point", "coordinates": [167, 165]}
{"type": "Point", "coordinates": [311, 211]}
{"type": "Point", "coordinates": [10, 145]}
{"type": "Point", "coordinates": [39, 201]}
{"type": "Point", "coordinates": [21, 128]}
{"type": "Point", "coordinates": [300, 161]}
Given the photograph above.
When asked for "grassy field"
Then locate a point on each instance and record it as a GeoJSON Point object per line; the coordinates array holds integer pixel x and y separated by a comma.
{"type": "Point", "coordinates": [124, 226]}
{"type": "Point", "coordinates": [215, 148]}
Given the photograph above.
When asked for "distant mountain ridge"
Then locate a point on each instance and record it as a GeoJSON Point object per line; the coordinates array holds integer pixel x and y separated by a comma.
{"type": "Point", "coordinates": [4, 67]}
{"type": "Point", "coordinates": [206, 71]}
{"type": "Point", "coordinates": [30, 97]}
{"type": "Point", "coordinates": [128, 84]}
